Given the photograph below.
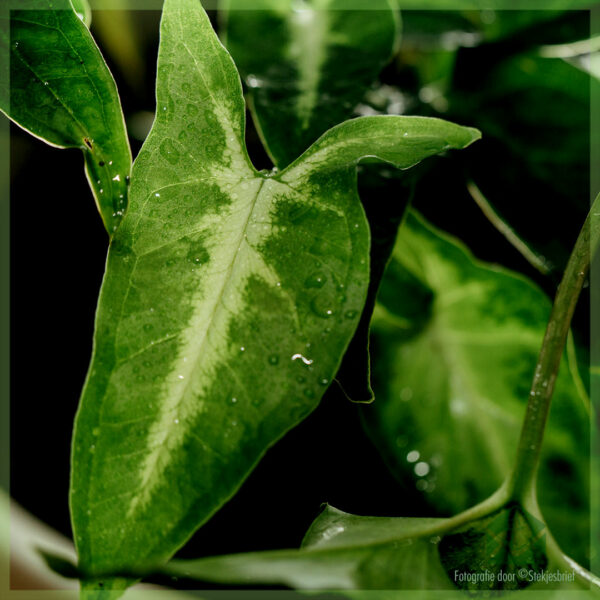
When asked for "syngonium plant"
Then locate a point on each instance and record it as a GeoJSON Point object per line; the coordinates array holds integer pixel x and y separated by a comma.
{"type": "Point", "coordinates": [231, 295]}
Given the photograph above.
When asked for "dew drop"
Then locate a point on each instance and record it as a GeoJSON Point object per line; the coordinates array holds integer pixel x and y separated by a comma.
{"type": "Point", "coordinates": [96, 431]}
{"type": "Point", "coordinates": [324, 381]}
{"type": "Point", "coordinates": [316, 280]}
{"type": "Point", "coordinates": [324, 312]}
{"type": "Point", "coordinates": [252, 81]}
{"type": "Point", "coordinates": [413, 456]}
{"type": "Point", "coordinates": [273, 359]}
{"type": "Point", "coordinates": [242, 349]}
{"type": "Point", "coordinates": [148, 327]}
{"type": "Point", "coordinates": [421, 469]}
{"type": "Point", "coordinates": [234, 401]}
{"type": "Point", "coordinates": [350, 314]}
{"type": "Point", "coordinates": [309, 393]}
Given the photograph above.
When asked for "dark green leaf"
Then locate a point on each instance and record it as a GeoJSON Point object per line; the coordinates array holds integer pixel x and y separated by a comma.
{"type": "Point", "coordinates": [452, 377]}
{"type": "Point", "coordinates": [504, 549]}
{"type": "Point", "coordinates": [306, 66]}
{"type": "Point", "coordinates": [535, 114]}
{"type": "Point", "coordinates": [62, 92]}
{"type": "Point", "coordinates": [307, 63]}
{"type": "Point", "coordinates": [229, 299]}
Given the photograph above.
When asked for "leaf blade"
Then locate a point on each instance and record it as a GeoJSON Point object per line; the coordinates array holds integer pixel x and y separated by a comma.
{"type": "Point", "coordinates": [217, 275]}
{"type": "Point", "coordinates": [62, 92]}
{"type": "Point", "coordinates": [449, 416]}
{"type": "Point", "coordinates": [309, 64]}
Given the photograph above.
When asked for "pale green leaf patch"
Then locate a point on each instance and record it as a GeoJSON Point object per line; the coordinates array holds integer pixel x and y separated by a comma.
{"type": "Point", "coordinates": [454, 357]}
{"type": "Point", "coordinates": [228, 301]}
{"type": "Point", "coordinates": [62, 92]}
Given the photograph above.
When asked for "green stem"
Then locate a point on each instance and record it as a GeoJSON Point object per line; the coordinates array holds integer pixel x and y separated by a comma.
{"type": "Point", "coordinates": [535, 260]}
{"type": "Point", "coordinates": [522, 480]}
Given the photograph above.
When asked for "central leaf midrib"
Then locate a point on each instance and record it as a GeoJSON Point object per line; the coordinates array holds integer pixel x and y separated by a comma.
{"type": "Point", "coordinates": [224, 284]}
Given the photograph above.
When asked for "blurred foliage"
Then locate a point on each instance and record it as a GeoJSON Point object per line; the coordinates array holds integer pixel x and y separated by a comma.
{"type": "Point", "coordinates": [456, 343]}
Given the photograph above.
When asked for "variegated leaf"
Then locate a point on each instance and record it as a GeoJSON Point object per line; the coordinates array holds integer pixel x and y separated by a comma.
{"type": "Point", "coordinates": [307, 63]}
{"type": "Point", "coordinates": [229, 299]}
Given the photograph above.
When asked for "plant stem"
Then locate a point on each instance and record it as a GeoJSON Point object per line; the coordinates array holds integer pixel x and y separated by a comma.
{"type": "Point", "coordinates": [522, 480]}
{"type": "Point", "coordinates": [535, 260]}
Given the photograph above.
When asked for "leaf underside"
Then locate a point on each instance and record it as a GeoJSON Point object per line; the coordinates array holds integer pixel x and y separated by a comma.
{"type": "Point", "coordinates": [228, 301]}
{"type": "Point", "coordinates": [502, 551]}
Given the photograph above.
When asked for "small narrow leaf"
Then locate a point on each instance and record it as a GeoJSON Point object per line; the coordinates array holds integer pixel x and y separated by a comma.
{"type": "Point", "coordinates": [229, 298]}
{"type": "Point", "coordinates": [62, 92]}
{"type": "Point", "coordinates": [452, 374]}
{"type": "Point", "coordinates": [306, 64]}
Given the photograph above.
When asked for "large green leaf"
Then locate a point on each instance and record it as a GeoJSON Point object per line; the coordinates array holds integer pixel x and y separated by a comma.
{"type": "Point", "coordinates": [62, 92]}
{"type": "Point", "coordinates": [455, 343]}
{"type": "Point", "coordinates": [307, 64]}
{"type": "Point", "coordinates": [504, 549]}
{"type": "Point", "coordinates": [229, 298]}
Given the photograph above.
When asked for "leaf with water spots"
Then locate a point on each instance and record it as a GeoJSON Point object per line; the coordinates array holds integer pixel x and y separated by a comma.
{"type": "Point", "coordinates": [83, 10]}
{"type": "Point", "coordinates": [306, 63]}
{"type": "Point", "coordinates": [307, 66]}
{"type": "Point", "coordinates": [503, 549]}
{"type": "Point", "coordinates": [62, 92]}
{"type": "Point", "coordinates": [229, 298]}
{"type": "Point", "coordinates": [455, 343]}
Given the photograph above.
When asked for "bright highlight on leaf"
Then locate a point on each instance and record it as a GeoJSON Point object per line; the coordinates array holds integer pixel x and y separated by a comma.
{"type": "Point", "coordinates": [62, 92]}
{"type": "Point", "coordinates": [217, 276]}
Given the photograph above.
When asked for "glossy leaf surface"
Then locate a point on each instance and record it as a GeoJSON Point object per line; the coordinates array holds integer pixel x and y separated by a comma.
{"type": "Point", "coordinates": [229, 298]}
{"type": "Point", "coordinates": [344, 551]}
{"type": "Point", "coordinates": [306, 64]}
{"type": "Point", "coordinates": [83, 10]}
{"type": "Point", "coordinates": [62, 92]}
{"type": "Point", "coordinates": [455, 343]}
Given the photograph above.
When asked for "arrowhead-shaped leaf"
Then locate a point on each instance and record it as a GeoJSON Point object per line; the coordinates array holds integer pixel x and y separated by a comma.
{"type": "Point", "coordinates": [506, 549]}
{"type": "Point", "coordinates": [306, 64]}
{"type": "Point", "coordinates": [455, 345]}
{"type": "Point", "coordinates": [229, 298]}
{"type": "Point", "coordinates": [62, 92]}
